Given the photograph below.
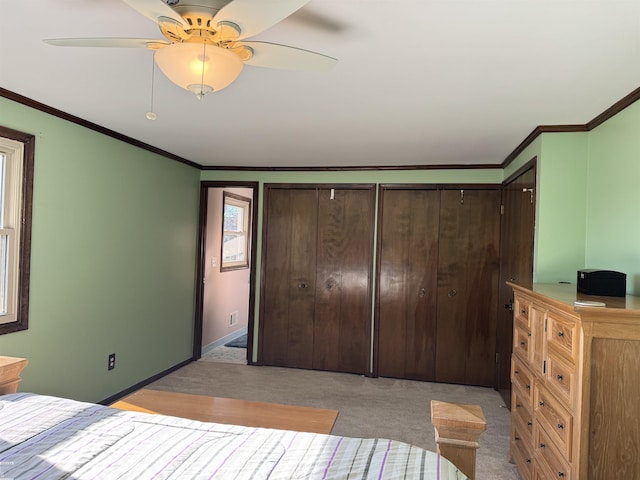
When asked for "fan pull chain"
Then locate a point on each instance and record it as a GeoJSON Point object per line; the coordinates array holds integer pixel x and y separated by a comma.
{"type": "Point", "coordinates": [150, 114]}
{"type": "Point", "coordinates": [204, 60]}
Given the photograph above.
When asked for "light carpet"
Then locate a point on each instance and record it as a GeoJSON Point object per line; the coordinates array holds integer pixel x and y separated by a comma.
{"type": "Point", "coordinates": [369, 407]}
{"type": "Point", "coordinates": [226, 355]}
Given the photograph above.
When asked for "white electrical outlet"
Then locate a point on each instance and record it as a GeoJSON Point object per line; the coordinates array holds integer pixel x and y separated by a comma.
{"type": "Point", "coordinates": [214, 262]}
{"type": "Point", "coordinates": [233, 319]}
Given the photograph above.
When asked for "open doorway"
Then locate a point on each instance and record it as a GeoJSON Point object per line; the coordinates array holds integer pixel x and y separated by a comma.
{"type": "Point", "coordinates": [226, 272]}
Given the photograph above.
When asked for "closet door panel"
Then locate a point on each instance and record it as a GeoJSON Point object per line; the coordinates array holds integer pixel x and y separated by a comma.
{"type": "Point", "coordinates": [468, 270]}
{"type": "Point", "coordinates": [290, 273]}
{"type": "Point", "coordinates": [516, 265]}
{"type": "Point", "coordinates": [407, 284]}
{"type": "Point", "coordinates": [343, 301]}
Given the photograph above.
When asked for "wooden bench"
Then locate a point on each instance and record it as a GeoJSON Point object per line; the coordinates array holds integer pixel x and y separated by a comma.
{"type": "Point", "coordinates": [458, 427]}
{"type": "Point", "coordinates": [230, 411]}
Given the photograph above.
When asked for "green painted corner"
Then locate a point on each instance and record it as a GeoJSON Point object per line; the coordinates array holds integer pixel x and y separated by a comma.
{"type": "Point", "coordinates": [112, 263]}
{"type": "Point", "coordinates": [613, 186]}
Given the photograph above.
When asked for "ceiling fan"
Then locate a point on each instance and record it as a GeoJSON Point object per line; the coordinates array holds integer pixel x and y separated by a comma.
{"type": "Point", "coordinates": [204, 49]}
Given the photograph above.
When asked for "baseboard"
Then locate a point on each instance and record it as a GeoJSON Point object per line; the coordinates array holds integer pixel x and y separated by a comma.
{"type": "Point", "coordinates": [144, 383]}
{"type": "Point", "coordinates": [223, 340]}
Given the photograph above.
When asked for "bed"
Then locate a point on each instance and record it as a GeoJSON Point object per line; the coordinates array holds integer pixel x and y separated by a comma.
{"type": "Point", "coordinates": [43, 437]}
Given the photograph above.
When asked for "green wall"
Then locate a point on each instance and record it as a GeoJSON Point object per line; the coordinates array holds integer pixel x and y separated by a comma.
{"type": "Point", "coordinates": [559, 245]}
{"type": "Point", "coordinates": [587, 200]}
{"type": "Point", "coordinates": [561, 208]}
{"type": "Point", "coordinates": [113, 260]}
{"type": "Point", "coordinates": [613, 197]}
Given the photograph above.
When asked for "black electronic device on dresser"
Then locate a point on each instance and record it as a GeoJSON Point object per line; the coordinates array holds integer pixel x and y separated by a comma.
{"type": "Point", "coordinates": [602, 282]}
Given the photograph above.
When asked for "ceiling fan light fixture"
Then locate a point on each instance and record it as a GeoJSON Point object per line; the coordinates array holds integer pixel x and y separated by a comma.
{"type": "Point", "coordinates": [199, 68]}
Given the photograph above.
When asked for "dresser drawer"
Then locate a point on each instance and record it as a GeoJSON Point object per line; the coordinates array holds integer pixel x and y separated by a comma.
{"type": "Point", "coordinates": [522, 380]}
{"type": "Point", "coordinates": [521, 451]}
{"type": "Point", "coordinates": [562, 335]}
{"type": "Point", "coordinates": [522, 413]}
{"type": "Point", "coordinates": [548, 459]}
{"type": "Point", "coordinates": [521, 310]}
{"type": "Point", "coordinates": [522, 342]}
{"type": "Point", "coordinates": [561, 378]}
{"type": "Point", "coordinates": [554, 419]}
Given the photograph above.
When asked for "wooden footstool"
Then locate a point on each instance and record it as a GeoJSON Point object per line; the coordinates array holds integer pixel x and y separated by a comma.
{"type": "Point", "coordinates": [458, 428]}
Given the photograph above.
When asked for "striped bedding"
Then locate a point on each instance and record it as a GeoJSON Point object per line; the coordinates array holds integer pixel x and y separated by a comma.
{"type": "Point", "coordinates": [45, 437]}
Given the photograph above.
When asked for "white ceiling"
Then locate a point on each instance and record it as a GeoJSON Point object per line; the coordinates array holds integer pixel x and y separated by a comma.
{"type": "Point", "coordinates": [417, 83]}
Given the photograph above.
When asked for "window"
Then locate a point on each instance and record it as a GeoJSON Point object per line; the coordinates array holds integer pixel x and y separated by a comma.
{"type": "Point", "coordinates": [16, 185]}
{"type": "Point", "coordinates": [236, 217]}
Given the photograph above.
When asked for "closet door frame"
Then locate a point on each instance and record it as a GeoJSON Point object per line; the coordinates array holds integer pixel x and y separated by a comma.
{"type": "Point", "coordinates": [267, 188]}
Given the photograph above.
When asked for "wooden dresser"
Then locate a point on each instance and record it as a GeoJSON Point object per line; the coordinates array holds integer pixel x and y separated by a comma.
{"type": "Point", "coordinates": [575, 373]}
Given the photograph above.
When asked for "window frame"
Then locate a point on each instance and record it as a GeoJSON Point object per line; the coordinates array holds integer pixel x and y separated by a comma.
{"type": "Point", "coordinates": [229, 198]}
{"type": "Point", "coordinates": [19, 150]}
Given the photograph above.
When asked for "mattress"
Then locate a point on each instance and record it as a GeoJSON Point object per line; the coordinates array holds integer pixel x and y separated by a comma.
{"type": "Point", "coordinates": [43, 437]}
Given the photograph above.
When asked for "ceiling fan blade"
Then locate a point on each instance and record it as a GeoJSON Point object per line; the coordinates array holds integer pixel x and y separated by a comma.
{"type": "Point", "coordinates": [274, 55]}
{"type": "Point", "coordinates": [255, 16]}
{"type": "Point", "coordinates": [154, 9]}
{"type": "Point", "coordinates": [107, 42]}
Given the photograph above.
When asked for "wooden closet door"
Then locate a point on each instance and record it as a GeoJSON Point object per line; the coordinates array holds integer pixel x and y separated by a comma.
{"type": "Point", "coordinates": [289, 277]}
{"type": "Point", "coordinates": [341, 339]}
{"type": "Point", "coordinates": [516, 265]}
{"type": "Point", "coordinates": [468, 270]}
{"type": "Point", "coordinates": [407, 291]}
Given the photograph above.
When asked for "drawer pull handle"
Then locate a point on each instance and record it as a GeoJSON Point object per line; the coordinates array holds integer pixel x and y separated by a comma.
{"type": "Point", "coordinates": [517, 372]}
{"type": "Point", "coordinates": [518, 405]}
{"type": "Point", "coordinates": [303, 285]}
{"type": "Point", "coordinates": [528, 387]}
{"type": "Point", "coordinates": [542, 445]}
{"type": "Point", "coordinates": [561, 333]}
{"type": "Point", "coordinates": [560, 426]}
{"type": "Point", "coordinates": [541, 404]}
{"type": "Point", "coordinates": [523, 311]}
{"type": "Point", "coordinates": [528, 334]}
{"type": "Point", "coordinates": [516, 438]}
{"type": "Point", "coordinates": [561, 474]}
{"type": "Point", "coordinates": [529, 424]}
{"type": "Point", "coordinates": [528, 460]}
{"type": "Point", "coordinates": [522, 344]}
{"type": "Point", "coordinates": [559, 377]}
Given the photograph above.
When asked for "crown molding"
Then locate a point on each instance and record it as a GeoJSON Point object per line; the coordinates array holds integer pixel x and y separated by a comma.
{"type": "Point", "coordinates": [354, 168]}
{"type": "Point", "coordinates": [610, 112]}
{"type": "Point", "coordinates": [540, 129]}
{"type": "Point", "coordinates": [15, 97]}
